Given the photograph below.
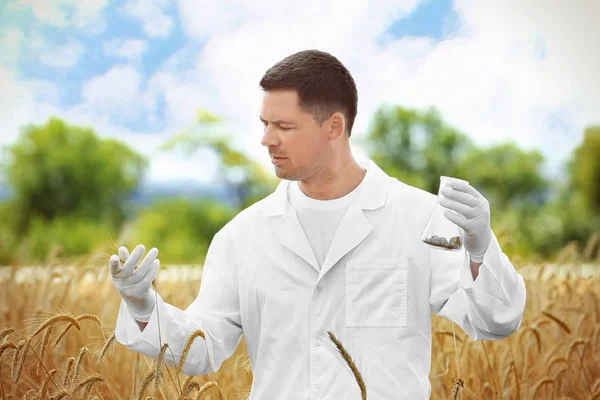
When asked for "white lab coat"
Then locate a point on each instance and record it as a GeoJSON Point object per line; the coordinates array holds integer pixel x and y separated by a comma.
{"type": "Point", "coordinates": [376, 291]}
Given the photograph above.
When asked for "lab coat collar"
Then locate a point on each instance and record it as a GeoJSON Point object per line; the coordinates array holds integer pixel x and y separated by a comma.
{"type": "Point", "coordinates": [371, 196]}
{"type": "Point", "coordinates": [353, 229]}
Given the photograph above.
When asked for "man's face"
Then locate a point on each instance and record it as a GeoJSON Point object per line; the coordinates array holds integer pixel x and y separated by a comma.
{"type": "Point", "coordinates": [294, 134]}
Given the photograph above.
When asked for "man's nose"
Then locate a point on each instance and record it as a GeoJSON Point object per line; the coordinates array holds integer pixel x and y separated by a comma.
{"type": "Point", "coordinates": [269, 138]}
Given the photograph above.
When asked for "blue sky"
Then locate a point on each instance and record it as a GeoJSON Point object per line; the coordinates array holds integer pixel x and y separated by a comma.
{"type": "Point", "coordinates": [137, 70]}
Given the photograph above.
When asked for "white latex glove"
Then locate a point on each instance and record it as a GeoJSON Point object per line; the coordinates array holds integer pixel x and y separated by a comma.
{"type": "Point", "coordinates": [134, 284]}
{"type": "Point", "coordinates": [473, 216]}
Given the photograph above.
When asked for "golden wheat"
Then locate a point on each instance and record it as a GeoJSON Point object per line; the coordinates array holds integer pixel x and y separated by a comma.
{"type": "Point", "coordinates": [553, 355]}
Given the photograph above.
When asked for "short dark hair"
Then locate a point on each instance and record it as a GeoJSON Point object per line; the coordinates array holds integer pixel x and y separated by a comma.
{"type": "Point", "coordinates": [322, 82]}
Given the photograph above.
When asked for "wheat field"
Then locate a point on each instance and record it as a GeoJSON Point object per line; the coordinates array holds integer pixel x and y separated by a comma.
{"type": "Point", "coordinates": [56, 341]}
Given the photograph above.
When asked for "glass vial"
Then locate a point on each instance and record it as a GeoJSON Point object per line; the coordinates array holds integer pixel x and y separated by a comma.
{"type": "Point", "coordinates": [439, 231]}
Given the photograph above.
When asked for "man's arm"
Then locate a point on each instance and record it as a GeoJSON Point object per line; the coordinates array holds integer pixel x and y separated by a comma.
{"type": "Point", "coordinates": [486, 299]}
{"type": "Point", "coordinates": [215, 312]}
{"type": "Point", "coordinates": [475, 268]}
{"type": "Point", "coordinates": [141, 325]}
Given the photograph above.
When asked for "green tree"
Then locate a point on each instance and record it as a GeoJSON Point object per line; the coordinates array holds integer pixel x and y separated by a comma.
{"type": "Point", "coordinates": [508, 175]}
{"type": "Point", "coordinates": [181, 229]}
{"type": "Point", "coordinates": [584, 169]}
{"type": "Point", "coordinates": [58, 170]}
{"type": "Point", "coordinates": [417, 147]}
{"type": "Point", "coordinates": [246, 177]}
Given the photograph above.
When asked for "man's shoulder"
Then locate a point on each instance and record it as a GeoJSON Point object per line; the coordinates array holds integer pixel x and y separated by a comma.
{"type": "Point", "coordinates": [245, 218]}
{"type": "Point", "coordinates": [401, 192]}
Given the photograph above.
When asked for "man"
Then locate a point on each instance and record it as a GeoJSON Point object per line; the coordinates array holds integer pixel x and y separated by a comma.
{"type": "Point", "coordinates": [335, 248]}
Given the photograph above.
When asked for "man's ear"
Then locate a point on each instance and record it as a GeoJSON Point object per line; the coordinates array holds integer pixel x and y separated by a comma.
{"type": "Point", "coordinates": [337, 125]}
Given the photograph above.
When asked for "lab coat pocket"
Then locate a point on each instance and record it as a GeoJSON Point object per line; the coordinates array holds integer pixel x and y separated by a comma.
{"type": "Point", "coordinates": [376, 292]}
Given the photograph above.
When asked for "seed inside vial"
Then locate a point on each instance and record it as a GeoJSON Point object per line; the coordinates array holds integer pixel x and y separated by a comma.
{"type": "Point", "coordinates": [453, 243]}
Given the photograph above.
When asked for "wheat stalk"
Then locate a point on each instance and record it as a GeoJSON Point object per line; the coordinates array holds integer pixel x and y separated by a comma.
{"type": "Point", "coordinates": [90, 381]}
{"type": "Point", "coordinates": [45, 385]}
{"type": "Point", "coordinates": [61, 394]}
{"type": "Point", "coordinates": [208, 385]}
{"type": "Point", "coordinates": [19, 358]}
{"type": "Point", "coordinates": [543, 384]}
{"type": "Point", "coordinates": [560, 322]}
{"type": "Point", "coordinates": [106, 346]}
{"type": "Point", "coordinates": [350, 362]}
{"type": "Point", "coordinates": [497, 389]}
{"type": "Point", "coordinates": [159, 364]}
{"type": "Point", "coordinates": [5, 332]}
{"type": "Point", "coordinates": [82, 351]}
{"type": "Point", "coordinates": [45, 340]}
{"type": "Point", "coordinates": [136, 371]}
{"type": "Point", "coordinates": [145, 383]}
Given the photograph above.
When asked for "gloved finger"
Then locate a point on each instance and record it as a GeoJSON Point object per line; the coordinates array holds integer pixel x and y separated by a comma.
{"type": "Point", "coordinates": [151, 274]}
{"type": "Point", "coordinates": [123, 254]}
{"type": "Point", "coordinates": [114, 265]}
{"type": "Point", "coordinates": [458, 219]}
{"type": "Point", "coordinates": [466, 188]}
{"type": "Point", "coordinates": [459, 196]}
{"type": "Point", "coordinates": [132, 261]}
{"type": "Point", "coordinates": [463, 209]}
{"type": "Point", "coordinates": [147, 263]}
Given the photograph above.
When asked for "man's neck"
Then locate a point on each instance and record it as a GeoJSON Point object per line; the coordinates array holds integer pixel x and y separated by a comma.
{"type": "Point", "coordinates": [338, 184]}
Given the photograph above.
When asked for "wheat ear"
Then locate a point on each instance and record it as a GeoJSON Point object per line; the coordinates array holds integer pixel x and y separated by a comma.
{"type": "Point", "coordinates": [19, 358]}
{"type": "Point", "coordinates": [188, 386]}
{"type": "Point", "coordinates": [538, 387]}
{"type": "Point", "coordinates": [207, 386]}
{"type": "Point", "coordinates": [82, 351]}
{"type": "Point", "coordinates": [160, 360]}
{"type": "Point", "coordinates": [187, 347]}
{"type": "Point", "coordinates": [145, 383]}
{"type": "Point", "coordinates": [106, 347]}
{"type": "Point", "coordinates": [56, 319]}
{"type": "Point", "coordinates": [5, 332]}
{"type": "Point", "coordinates": [70, 363]}
{"type": "Point", "coordinates": [560, 322]}
{"type": "Point", "coordinates": [348, 359]}
{"type": "Point", "coordinates": [45, 340]}
{"type": "Point", "coordinates": [90, 381]}
{"type": "Point", "coordinates": [7, 345]}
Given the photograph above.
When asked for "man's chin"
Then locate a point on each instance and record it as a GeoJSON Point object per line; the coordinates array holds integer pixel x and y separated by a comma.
{"type": "Point", "coordinates": [282, 174]}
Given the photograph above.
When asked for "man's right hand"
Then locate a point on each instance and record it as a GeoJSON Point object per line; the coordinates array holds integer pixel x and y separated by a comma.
{"type": "Point", "coordinates": [134, 284]}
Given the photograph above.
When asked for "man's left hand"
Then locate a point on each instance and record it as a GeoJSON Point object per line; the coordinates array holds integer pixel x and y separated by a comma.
{"type": "Point", "coordinates": [473, 216]}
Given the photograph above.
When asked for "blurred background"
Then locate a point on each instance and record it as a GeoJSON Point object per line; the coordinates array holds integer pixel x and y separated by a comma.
{"type": "Point", "coordinates": [125, 122]}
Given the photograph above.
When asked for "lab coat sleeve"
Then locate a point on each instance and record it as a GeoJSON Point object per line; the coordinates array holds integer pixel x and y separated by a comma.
{"type": "Point", "coordinates": [491, 306]}
{"type": "Point", "coordinates": [215, 312]}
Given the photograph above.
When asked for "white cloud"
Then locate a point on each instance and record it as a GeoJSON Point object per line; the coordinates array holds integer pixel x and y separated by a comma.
{"type": "Point", "coordinates": [490, 81]}
{"type": "Point", "coordinates": [63, 13]}
{"type": "Point", "coordinates": [130, 49]}
{"type": "Point", "coordinates": [65, 56]}
{"type": "Point", "coordinates": [115, 94]}
{"type": "Point", "coordinates": [11, 43]}
{"type": "Point", "coordinates": [509, 72]}
{"type": "Point", "coordinates": [23, 102]}
{"type": "Point", "coordinates": [152, 13]}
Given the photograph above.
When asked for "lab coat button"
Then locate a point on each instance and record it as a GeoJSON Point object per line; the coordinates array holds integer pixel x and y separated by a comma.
{"type": "Point", "coordinates": [318, 342]}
